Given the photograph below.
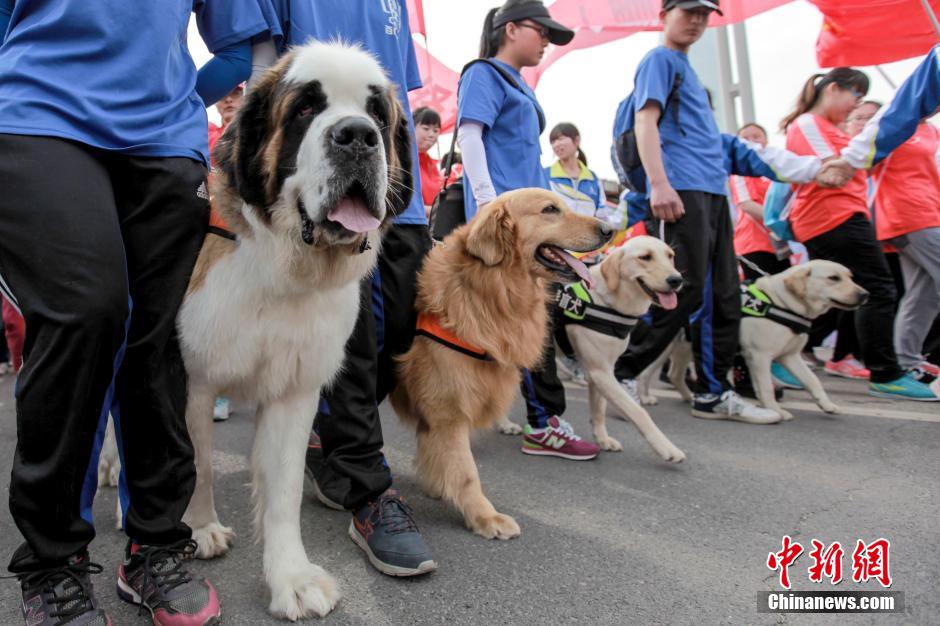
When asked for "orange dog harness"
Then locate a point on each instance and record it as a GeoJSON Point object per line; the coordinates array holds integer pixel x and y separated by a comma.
{"type": "Point", "coordinates": [430, 326]}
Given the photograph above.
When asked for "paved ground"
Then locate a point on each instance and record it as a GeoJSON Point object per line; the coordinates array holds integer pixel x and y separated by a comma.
{"type": "Point", "coordinates": [623, 539]}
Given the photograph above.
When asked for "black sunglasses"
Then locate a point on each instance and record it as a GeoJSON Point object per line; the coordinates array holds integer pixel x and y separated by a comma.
{"type": "Point", "coordinates": [541, 30]}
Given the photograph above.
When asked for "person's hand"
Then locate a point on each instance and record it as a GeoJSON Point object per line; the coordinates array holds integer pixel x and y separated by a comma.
{"type": "Point", "coordinates": [834, 173]}
{"type": "Point", "coordinates": [665, 203]}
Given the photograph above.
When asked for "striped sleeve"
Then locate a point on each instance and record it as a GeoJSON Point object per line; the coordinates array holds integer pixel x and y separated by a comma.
{"type": "Point", "coordinates": [918, 97]}
{"type": "Point", "coordinates": [744, 158]}
{"type": "Point", "coordinates": [739, 191]}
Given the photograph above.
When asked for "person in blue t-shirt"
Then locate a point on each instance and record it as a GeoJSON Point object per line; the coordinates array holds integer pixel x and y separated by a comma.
{"type": "Point", "coordinates": [682, 156]}
{"type": "Point", "coordinates": [344, 459]}
{"type": "Point", "coordinates": [498, 127]}
{"type": "Point", "coordinates": [103, 155]}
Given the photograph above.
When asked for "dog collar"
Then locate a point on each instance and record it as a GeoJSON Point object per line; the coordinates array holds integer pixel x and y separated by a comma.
{"type": "Point", "coordinates": [430, 326]}
{"type": "Point", "coordinates": [219, 228]}
{"type": "Point", "coordinates": [578, 307]}
{"type": "Point", "coordinates": [756, 303]}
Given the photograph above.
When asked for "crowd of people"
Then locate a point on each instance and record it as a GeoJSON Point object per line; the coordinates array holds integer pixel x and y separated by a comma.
{"type": "Point", "coordinates": [95, 266]}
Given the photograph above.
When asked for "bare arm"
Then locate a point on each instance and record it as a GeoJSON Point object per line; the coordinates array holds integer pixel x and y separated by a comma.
{"type": "Point", "coordinates": [664, 201]}
{"type": "Point", "coordinates": [752, 209]}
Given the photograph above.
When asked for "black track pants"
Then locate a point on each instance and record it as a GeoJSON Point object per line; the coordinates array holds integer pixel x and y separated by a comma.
{"type": "Point", "coordinates": [96, 250]}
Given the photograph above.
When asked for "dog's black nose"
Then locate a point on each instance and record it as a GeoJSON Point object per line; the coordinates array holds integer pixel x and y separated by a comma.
{"type": "Point", "coordinates": [354, 134]}
{"type": "Point", "coordinates": [606, 230]}
{"type": "Point", "coordinates": [862, 297]}
{"type": "Point", "coordinates": [674, 281]}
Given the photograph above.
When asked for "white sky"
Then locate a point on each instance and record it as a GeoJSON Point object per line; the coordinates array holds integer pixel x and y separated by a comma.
{"type": "Point", "coordinates": [585, 86]}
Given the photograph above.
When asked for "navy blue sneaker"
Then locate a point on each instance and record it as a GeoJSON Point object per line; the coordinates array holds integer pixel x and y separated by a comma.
{"type": "Point", "coordinates": [62, 595]}
{"type": "Point", "coordinates": [313, 466]}
{"type": "Point", "coordinates": [387, 533]}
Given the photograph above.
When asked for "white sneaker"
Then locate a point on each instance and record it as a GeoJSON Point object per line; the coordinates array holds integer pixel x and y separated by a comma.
{"type": "Point", "coordinates": [629, 385]}
{"type": "Point", "coordinates": [569, 369]}
{"type": "Point", "coordinates": [220, 412]}
{"type": "Point", "coordinates": [730, 406]}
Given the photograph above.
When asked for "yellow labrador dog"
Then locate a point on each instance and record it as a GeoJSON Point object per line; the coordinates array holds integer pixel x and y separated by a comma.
{"type": "Point", "coordinates": [634, 277]}
{"type": "Point", "coordinates": [808, 291]}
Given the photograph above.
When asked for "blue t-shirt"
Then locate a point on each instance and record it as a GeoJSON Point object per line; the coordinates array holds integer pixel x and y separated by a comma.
{"type": "Point", "coordinates": [115, 74]}
{"type": "Point", "coordinates": [511, 129]}
{"type": "Point", "coordinates": [692, 149]}
{"type": "Point", "coordinates": [381, 27]}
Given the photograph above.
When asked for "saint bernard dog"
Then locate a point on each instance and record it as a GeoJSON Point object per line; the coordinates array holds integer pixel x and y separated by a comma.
{"type": "Point", "coordinates": [309, 174]}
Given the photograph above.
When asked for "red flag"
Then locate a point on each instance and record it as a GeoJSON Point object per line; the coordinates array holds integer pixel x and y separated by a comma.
{"type": "Point", "coordinates": [600, 21]}
{"type": "Point", "coordinates": [416, 17]}
{"type": "Point", "coordinates": [440, 87]}
{"type": "Point", "coordinates": [869, 32]}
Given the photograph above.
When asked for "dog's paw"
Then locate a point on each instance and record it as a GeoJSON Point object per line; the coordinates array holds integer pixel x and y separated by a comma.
{"type": "Point", "coordinates": [609, 444]}
{"type": "Point", "coordinates": [686, 396]}
{"type": "Point", "coordinates": [496, 526]}
{"type": "Point", "coordinates": [649, 400]}
{"type": "Point", "coordinates": [785, 415]}
{"type": "Point", "coordinates": [509, 428]}
{"type": "Point", "coordinates": [672, 454]}
{"type": "Point", "coordinates": [829, 406]}
{"type": "Point", "coordinates": [307, 592]}
{"type": "Point", "coordinates": [212, 540]}
{"type": "Point", "coordinates": [666, 450]}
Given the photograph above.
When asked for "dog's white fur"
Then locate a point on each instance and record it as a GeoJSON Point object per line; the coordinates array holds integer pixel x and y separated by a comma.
{"type": "Point", "coordinates": [809, 290]}
{"type": "Point", "coordinates": [269, 325]}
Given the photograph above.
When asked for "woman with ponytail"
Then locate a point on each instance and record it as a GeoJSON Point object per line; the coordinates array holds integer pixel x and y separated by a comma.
{"type": "Point", "coordinates": [570, 177]}
{"type": "Point", "coordinates": [833, 224]}
{"type": "Point", "coordinates": [499, 122]}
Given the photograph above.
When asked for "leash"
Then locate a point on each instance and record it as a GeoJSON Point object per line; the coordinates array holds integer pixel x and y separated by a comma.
{"type": "Point", "coordinates": [753, 266]}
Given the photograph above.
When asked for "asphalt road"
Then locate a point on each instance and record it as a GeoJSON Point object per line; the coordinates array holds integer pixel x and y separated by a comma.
{"type": "Point", "coordinates": [624, 539]}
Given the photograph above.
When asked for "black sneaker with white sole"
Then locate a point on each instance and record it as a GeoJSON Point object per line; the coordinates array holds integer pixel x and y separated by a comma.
{"type": "Point", "coordinates": [62, 595]}
{"type": "Point", "coordinates": [386, 531]}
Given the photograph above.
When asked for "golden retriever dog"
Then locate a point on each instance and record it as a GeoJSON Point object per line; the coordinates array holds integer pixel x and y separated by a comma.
{"type": "Point", "coordinates": [315, 164]}
{"type": "Point", "coordinates": [487, 289]}
{"type": "Point", "coordinates": [808, 290]}
{"type": "Point", "coordinates": [632, 278]}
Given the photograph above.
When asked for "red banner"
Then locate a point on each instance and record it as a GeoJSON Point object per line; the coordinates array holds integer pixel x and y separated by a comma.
{"type": "Point", "coordinates": [416, 18]}
{"type": "Point", "coordinates": [869, 32]}
{"type": "Point", "coordinates": [594, 21]}
{"type": "Point", "coordinates": [599, 21]}
{"type": "Point", "coordinates": [440, 87]}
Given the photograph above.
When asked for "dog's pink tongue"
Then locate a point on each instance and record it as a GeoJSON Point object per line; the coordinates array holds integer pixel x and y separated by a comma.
{"type": "Point", "coordinates": [354, 216]}
{"type": "Point", "coordinates": [668, 300]}
{"type": "Point", "coordinates": [579, 268]}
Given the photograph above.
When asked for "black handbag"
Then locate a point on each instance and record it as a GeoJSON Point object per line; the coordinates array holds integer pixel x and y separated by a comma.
{"type": "Point", "coordinates": [447, 212]}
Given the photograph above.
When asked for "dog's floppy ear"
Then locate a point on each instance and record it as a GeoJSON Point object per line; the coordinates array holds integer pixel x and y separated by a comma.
{"type": "Point", "coordinates": [610, 270]}
{"type": "Point", "coordinates": [400, 163]}
{"type": "Point", "coordinates": [491, 234]}
{"type": "Point", "coordinates": [239, 153]}
{"type": "Point", "coordinates": [796, 282]}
